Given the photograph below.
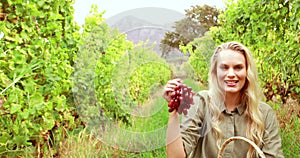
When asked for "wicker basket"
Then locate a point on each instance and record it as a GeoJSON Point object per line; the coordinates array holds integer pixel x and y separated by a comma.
{"type": "Point", "coordinates": [260, 153]}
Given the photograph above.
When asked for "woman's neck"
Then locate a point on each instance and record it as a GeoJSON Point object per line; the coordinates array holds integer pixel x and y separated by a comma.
{"type": "Point", "coordinates": [232, 101]}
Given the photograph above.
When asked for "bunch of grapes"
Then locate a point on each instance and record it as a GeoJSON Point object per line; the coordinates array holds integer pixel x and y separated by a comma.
{"type": "Point", "coordinates": [182, 98]}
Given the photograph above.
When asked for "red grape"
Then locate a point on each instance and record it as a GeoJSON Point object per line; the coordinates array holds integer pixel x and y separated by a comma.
{"type": "Point", "coordinates": [182, 98]}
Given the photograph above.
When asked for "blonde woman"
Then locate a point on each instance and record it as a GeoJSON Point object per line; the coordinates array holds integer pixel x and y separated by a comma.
{"type": "Point", "coordinates": [231, 107]}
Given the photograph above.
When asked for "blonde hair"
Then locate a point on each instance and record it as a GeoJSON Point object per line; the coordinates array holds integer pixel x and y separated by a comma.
{"type": "Point", "coordinates": [250, 95]}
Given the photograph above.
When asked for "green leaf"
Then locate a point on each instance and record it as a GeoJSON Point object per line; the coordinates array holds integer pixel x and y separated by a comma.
{"type": "Point", "coordinates": [15, 108]}
{"type": "Point", "coordinates": [21, 140]}
{"type": "Point", "coordinates": [48, 122]}
{"type": "Point", "coordinates": [24, 114]}
{"type": "Point", "coordinates": [40, 3]}
{"type": "Point", "coordinates": [4, 138]}
{"type": "Point", "coordinates": [36, 100]}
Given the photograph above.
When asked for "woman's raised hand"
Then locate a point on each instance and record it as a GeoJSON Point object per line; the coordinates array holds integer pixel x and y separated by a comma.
{"type": "Point", "coordinates": [169, 89]}
{"type": "Point", "coordinates": [179, 96]}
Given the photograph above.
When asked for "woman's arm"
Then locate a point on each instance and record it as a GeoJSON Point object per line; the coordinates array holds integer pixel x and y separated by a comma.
{"type": "Point", "coordinates": [183, 138]}
{"type": "Point", "coordinates": [174, 143]}
{"type": "Point", "coordinates": [272, 147]}
{"type": "Point", "coordinates": [175, 148]}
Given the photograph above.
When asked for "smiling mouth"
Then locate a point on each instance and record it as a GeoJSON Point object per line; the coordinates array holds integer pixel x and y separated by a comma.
{"type": "Point", "coordinates": [231, 82]}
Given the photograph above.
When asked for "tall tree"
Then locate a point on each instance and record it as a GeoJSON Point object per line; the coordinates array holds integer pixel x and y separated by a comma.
{"type": "Point", "coordinates": [198, 20]}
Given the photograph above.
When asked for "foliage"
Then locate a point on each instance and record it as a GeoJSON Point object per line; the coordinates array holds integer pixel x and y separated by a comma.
{"type": "Point", "coordinates": [100, 50]}
{"type": "Point", "coordinates": [200, 57]}
{"type": "Point", "coordinates": [111, 74]}
{"type": "Point", "coordinates": [271, 30]}
{"type": "Point", "coordinates": [188, 70]}
{"type": "Point", "coordinates": [38, 44]}
{"type": "Point", "coordinates": [149, 73]}
{"type": "Point", "coordinates": [110, 77]}
{"type": "Point", "coordinates": [198, 20]}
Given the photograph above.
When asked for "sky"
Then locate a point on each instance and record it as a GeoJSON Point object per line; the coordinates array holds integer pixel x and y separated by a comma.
{"type": "Point", "coordinates": [113, 7]}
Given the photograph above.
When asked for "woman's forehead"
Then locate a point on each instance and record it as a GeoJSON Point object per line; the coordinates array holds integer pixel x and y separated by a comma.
{"type": "Point", "coordinates": [231, 56]}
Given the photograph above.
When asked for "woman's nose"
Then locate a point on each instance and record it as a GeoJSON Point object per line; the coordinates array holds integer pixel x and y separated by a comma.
{"type": "Point", "coordinates": [230, 73]}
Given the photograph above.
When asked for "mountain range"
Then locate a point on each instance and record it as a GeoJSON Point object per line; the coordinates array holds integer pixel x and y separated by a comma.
{"type": "Point", "coordinates": [144, 24]}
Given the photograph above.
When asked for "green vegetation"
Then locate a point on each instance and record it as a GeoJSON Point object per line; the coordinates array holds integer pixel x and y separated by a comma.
{"type": "Point", "coordinates": [36, 62]}
{"type": "Point", "coordinates": [200, 58]}
{"type": "Point", "coordinates": [99, 51]}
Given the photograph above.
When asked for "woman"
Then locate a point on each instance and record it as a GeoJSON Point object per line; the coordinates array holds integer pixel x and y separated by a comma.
{"type": "Point", "coordinates": [231, 107]}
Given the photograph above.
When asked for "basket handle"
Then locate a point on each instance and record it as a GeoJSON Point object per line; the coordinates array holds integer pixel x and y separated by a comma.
{"type": "Point", "coordinates": [260, 153]}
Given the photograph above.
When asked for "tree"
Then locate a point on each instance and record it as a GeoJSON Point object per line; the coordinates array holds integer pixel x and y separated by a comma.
{"type": "Point", "coordinates": [198, 20]}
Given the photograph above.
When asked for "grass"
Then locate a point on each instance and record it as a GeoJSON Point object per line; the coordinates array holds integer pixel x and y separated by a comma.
{"type": "Point", "coordinates": [85, 145]}
{"type": "Point", "coordinates": [289, 121]}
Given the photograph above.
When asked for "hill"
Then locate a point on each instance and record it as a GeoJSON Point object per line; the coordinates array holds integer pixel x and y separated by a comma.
{"type": "Point", "coordinates": [144, 24]}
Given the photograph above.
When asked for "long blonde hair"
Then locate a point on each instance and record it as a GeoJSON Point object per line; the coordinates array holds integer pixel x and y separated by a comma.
{"type": "Point", "coordinates": [250, 95]}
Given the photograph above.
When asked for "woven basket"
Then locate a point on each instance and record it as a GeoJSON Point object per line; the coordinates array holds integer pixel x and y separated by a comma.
{"type": "Point", "coordinates": [260, 153]}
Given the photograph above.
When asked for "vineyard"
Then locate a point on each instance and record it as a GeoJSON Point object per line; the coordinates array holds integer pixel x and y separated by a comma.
{"type": "Point", "coordinates": [93, 93]}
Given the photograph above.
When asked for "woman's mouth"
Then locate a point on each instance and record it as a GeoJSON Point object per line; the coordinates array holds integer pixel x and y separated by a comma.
{"type": "Point", "coordinates": [231, 83]}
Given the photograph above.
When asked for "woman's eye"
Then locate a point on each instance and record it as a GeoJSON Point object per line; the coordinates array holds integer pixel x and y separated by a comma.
{"type": "Point", "coordinates": [239, 67]}
{"type": "Point", "coordinates": [223, 67]}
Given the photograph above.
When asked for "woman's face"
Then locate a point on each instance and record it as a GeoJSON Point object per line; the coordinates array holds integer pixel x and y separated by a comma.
{"type": "Point", "coordinates": [231, 71]}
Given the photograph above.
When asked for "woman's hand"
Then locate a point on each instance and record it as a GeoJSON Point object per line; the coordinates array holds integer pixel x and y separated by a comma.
{"type": "Point", "coordinates": [179, 96]}
{"type": "Point", "coordinates": [169, 89]}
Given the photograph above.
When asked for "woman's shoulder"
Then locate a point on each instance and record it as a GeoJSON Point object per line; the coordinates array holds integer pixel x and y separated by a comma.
{"type": "Point", "coordinates": [264, 107]}
{"type": "Point", "coordinates": [200, 100]}
{"type": "Point", "coordinates": [203, 93]}
{"type": "Point", "coordinates": [201, 96]}
{"type": "Point", "coordinates": [267, 110]}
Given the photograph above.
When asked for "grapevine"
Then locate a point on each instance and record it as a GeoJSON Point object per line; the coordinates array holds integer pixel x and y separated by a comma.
{"type": "Point", "coordinates": [182, 98]}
